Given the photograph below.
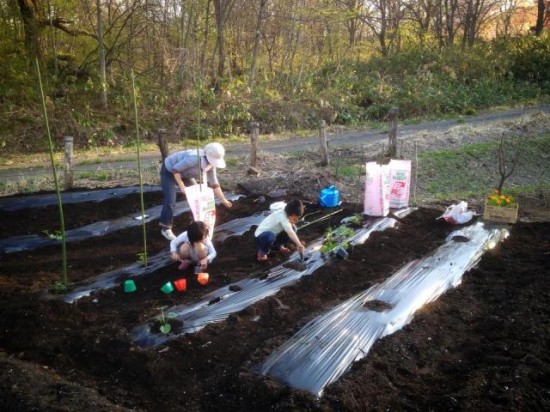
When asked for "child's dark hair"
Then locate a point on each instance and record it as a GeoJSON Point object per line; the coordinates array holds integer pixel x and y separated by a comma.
{"type": "Point", "coordinates": [197, 231]}
{"type": "Point", "coordinates": [294, 208]}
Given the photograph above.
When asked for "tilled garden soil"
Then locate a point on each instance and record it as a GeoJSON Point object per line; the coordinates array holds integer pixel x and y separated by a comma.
{"type": "Point", "coordinates": [482, 346]}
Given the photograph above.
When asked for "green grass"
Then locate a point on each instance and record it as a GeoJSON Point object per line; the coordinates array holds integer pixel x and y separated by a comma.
{"type": "Point", "coordinates": [349, 171]}
{"type": "Point", "coordinates": [472, 170]}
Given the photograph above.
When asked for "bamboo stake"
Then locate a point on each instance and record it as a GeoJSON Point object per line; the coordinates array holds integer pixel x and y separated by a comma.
{"type": "Point", "coordinates": [57, 191]}
{"type": "Point", "coordinates": [138, 144]}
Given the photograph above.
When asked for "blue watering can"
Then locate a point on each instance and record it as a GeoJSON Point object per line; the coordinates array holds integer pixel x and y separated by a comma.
{"type": "Point", "coordinates": [329, 197]}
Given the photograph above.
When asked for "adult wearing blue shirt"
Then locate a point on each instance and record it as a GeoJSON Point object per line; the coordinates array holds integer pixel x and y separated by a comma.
{"type": "Point", "coordinates": [184, 166]}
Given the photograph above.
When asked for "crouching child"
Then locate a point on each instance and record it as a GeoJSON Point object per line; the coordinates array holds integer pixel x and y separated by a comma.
{"type": "Point", "coordinates": [193, 246]}
{"type": "Point", "coordinates": [277, 229]}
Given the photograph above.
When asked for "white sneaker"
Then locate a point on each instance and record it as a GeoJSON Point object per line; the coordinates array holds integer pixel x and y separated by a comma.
{"type": "Point", "coordinates": [168, 234]}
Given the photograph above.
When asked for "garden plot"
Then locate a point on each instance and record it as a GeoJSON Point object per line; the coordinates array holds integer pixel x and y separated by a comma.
{"type": "Point", "coordinates": [459, 351]}
{"type": "Point", "coordinates": [219, 304]}
{"type": "Point", "coordinates": [325, 348]}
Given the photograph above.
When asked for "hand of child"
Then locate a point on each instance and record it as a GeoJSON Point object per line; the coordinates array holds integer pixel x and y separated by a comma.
{"type": "Point", "coordinates": [301, 249]}
{"type": "Point", "coordinates": [203, 263]}
{"type": "Point", "coordinates": [227, 203]}
{"type": "Point", "coordinates": [174, 256]}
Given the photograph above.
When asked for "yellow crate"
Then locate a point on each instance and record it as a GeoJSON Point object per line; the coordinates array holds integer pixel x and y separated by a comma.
{"type": "Point", "coordinates": [501, 214]}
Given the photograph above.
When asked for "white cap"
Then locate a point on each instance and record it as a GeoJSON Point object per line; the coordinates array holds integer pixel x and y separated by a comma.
{"type": "Point", "coordinates": [214, 154]}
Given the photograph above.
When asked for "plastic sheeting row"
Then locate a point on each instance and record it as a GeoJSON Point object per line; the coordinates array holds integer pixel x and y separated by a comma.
{"type": "Point", "coordinates": [326, 347]}
{"type": "Point", "coordinates": [113, 278]}
{"type": "Point", "coordinates": [218, 305]}
{"type": "Point", "coordinates": [32, 242]}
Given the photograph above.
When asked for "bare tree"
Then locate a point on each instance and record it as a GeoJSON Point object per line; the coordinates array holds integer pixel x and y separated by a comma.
{"type": "Point", "coordinates": [384, 19]}
{"type": "Point", "coordinates": [222, 9]}
{"type": "Point", "coordinates": [542, 10]}
{"type": "Point", "coordinates": [423, 13]}
{"type": "Point", "coordinates": [101, 49]}
{"type": "Point", "coordinates": [506, 167]}
{"type": "Point", "coordinates": [473, 15]}
{"type": "Point", "coordinates": [352, 10]}
{"type": "Point", "coordinates": [257, 38]}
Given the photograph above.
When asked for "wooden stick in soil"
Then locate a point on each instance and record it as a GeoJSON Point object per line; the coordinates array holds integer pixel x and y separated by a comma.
{"type": "Point", "coordinates": [138, 145]}
{"type": "Point", "coordinates": [57, 190]}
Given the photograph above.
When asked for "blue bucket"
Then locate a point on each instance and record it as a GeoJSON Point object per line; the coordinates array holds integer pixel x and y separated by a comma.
{"type": "Point", "coordinates": [329, 197]}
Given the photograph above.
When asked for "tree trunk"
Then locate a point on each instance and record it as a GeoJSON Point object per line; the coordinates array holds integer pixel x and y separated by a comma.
{"type": "Point", "coordinates": [29, 15]}
{"type": "Point", "coordinates": [101, 49]}
{"type": "Point", "coordinates": [222, 9]}
{"type": "Point", "coordinates": [257, 37]}
{"type": "Point", "coordinates": [540, 17]}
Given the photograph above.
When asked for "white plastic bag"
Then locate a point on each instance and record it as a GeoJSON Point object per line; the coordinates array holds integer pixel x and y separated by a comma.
{"type": "Point", "coordinates": [457, 214]}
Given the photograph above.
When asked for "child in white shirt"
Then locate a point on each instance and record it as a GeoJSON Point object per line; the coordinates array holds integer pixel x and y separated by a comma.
{"type": "Point", "coordinates": [193, 246]}
{"type": "Point", "coordinates": [278, 228]}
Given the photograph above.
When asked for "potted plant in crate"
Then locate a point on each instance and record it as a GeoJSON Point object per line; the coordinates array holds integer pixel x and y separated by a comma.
{"type": "Point", "coordinates": [501, 208]}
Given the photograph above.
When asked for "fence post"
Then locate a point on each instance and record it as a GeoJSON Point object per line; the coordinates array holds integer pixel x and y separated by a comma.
{"type": "Point", "coordinates": [254, 131]}
{"type": "Point", "coordinates": [323, 143]}
{"type": "Point", "coordinates": [68, 140]}
{"type": "Point", "coordinates": [392, 118]}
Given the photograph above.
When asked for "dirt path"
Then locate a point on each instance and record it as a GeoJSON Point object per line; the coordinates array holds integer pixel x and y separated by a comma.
{"type": "Point", "coordinates": [336, 136]}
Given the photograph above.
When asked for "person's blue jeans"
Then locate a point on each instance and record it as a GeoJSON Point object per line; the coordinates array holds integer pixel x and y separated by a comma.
{"type": "Point", "coordinates": [168, 186]}
{"type": "Point", "coordinates": [269, 240]}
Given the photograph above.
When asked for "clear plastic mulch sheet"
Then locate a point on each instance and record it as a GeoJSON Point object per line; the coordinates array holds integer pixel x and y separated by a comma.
{"type": "Point", "coordinates": [115, 277]}
{"type": "Point", "coordinates": [32, 242]}
{"type": "Point", "coordinates": [326, 347]}
{"type": "Point", "coordinates": [218, 305]}
{"type": "Point", "coordinates": [34, 201]}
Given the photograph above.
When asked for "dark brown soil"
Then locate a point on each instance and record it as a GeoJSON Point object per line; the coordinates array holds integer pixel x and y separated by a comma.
{"type": "Point", "coordinates": [482, 346]}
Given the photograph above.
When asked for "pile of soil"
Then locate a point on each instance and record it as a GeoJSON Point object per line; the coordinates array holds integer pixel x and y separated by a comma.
{"type": "Point", "coordinates": [481, 346]}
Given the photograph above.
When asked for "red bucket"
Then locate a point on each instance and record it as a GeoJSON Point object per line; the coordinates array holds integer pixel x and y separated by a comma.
{"type": "Point", "coordinates": [180, 284]}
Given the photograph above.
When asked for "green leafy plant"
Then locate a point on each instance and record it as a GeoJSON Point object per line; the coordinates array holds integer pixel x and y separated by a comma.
{"type": "Point", "coordinates": [55, 235]}
{"type": "Point", "coordinates": [59, 287]}
{"type": "Point", "coordinates": [165, 326]}
{"type": "Point", "coordinates": [355, 219]}
{"type": "Point", "coordinates": [142, 257]}
{"type": "Point", "coordinates": [498, 198]}
{"type": "Point", "coordinates": [336, 237]}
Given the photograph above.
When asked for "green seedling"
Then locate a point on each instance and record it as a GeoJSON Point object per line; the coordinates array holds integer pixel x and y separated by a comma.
{"type": "Point", "coordinates": [165, 326]}
{"type": "Point", "coordinates": [355, 219]}
{"type": "Point", "coordinates": [142, 257]}
{"type": "Point", "coordinates": [59, 287]}
{"type": "Point", "coordinates": [337, 237]}
{"type": "Point", "coordinates": [56, 235]}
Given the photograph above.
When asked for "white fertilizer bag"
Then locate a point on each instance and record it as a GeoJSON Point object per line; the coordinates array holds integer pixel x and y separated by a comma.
{"type": "Point", "coordinates": [377, 190]}
{"type": "Point", "coordinates": [400, 183]}
{"type": "Point", "coordinates": [202, 204]}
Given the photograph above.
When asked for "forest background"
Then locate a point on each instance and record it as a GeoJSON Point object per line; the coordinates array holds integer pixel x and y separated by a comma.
{"type": "Point", "coordinates": [206, 69]}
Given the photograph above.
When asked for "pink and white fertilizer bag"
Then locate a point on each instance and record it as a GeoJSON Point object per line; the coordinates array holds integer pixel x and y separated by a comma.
{"type": "Point", "coordinates": [400, 183]}
{"type": "Point", "coordinates": [202, 204]}
{"type": "Point", "coordinates": [377, 190]}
